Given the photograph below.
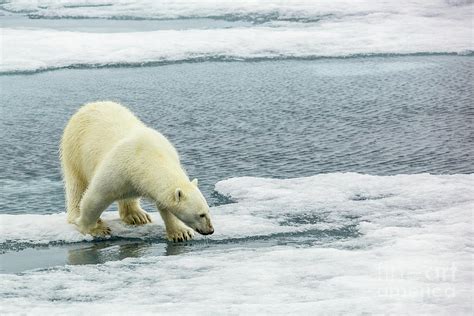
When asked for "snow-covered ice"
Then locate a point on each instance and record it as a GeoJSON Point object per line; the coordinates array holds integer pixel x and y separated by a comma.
{"type": "Point", "coordinates": [258, 10]}
{"type": "Point", "coordinates": [412, 253]}
{"type": "Point", "coordinates": [303, 29]}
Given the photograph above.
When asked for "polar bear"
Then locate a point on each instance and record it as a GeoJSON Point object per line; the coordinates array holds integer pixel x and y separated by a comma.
{"type": "Point", "coordinates": [107, 155]}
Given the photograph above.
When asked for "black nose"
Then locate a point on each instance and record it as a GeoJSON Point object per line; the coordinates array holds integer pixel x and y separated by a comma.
{"type": "Point", "coordinates": [209, 232]}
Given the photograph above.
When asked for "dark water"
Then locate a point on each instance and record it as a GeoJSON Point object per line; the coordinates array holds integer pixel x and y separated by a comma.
{"type": "Point", "coordinates": [279, 119]}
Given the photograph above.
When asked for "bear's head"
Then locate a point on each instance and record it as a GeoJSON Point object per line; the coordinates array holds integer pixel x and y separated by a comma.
{"type": "Point", "coordinates": [192, 209]}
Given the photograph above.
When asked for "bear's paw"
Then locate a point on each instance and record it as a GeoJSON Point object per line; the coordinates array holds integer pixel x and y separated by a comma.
{"type": "Point", "coordinates": [179, 234]}
{"type": "Point", "coordinates": [98, 230]}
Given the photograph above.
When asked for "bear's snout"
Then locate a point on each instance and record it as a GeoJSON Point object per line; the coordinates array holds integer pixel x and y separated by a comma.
{"type": "Point", "coordinates": [210, 231]}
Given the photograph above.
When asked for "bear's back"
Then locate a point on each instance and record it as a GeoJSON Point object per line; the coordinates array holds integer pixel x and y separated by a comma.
{"type": "Point", "coordinates": [93, 131]}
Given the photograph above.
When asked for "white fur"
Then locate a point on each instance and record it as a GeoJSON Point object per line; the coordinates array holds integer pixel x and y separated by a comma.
{"type": "Point", "coordinates": [107, 155]}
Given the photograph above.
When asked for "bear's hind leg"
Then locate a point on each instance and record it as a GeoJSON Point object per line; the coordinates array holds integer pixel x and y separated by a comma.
{"type": "Point", "coordinates": [131, 213]}
{"type": "Point", "coordinates": [75, 188]}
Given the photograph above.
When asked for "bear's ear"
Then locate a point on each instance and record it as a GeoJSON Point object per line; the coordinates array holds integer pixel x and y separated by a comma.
{"type": "Point", "coordinates": [178, 194]}
{"type": "Point", "coordinates": [195, 182]}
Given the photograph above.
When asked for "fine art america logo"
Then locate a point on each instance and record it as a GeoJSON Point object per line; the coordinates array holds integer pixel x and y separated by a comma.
{"type": "Point", "coordinates": [433, 282]}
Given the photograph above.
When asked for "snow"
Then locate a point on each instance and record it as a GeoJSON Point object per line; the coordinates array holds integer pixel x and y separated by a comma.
{"type": "Point", "coordinates": [412, 254]}
{"type": "Point", "coordinates": [335, 29]}
{"type": "Point", "coordinates": [234, 9]}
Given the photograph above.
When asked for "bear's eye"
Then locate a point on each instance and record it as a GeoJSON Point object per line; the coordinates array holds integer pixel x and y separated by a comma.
{"type": "Point", "coordinates": [202, 215]}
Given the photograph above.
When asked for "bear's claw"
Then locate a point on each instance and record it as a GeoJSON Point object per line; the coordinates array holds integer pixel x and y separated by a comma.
{"type": "Point", "coordinates": [180, 235]}
{"type": "Point", "coordinates": [99, 230]}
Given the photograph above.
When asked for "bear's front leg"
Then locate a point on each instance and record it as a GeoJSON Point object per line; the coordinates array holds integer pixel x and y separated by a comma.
{"type": "Point", "coordinates": [92, 206]}
{"type": "Point", "coordinates": [176, 230]}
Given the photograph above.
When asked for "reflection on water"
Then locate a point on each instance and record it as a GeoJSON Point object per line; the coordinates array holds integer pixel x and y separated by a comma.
{"type": "Point", "coordinates": [104, 251]}
{"type": "Point", "coordinates": [112, 251]}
